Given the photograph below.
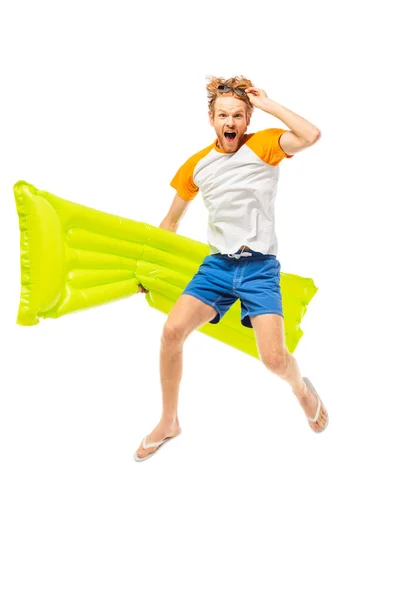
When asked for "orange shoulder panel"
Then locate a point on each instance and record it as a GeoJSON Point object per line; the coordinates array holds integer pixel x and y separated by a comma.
{"type": "Point", "coordinates": [265, 144]}
{"type": "Point", "coordinates": [183, 181]}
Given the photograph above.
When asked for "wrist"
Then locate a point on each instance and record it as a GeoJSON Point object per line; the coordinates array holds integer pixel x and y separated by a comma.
{"type": "Point", "coordinates": [269, 106]}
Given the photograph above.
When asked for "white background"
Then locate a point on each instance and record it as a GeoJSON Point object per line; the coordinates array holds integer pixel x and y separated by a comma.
{"type": "Point", "coordinates": [100, 104]}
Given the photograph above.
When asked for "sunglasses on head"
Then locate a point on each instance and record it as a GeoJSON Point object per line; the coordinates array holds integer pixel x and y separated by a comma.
{"type": "Point", "coordinates": [227, 88]}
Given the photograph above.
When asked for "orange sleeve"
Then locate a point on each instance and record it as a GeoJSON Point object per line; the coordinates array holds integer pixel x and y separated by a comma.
{"type": "Point", "coordinates": [183, 181]}
{"type": "Point", "coordinates": [266, 145]}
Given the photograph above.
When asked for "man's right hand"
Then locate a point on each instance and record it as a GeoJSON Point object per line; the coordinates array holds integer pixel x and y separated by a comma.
{"type": "Point", "coordinates": [170, 223]}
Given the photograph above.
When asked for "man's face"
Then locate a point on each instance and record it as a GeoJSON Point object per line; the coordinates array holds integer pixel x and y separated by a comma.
{"type": "Point", "coordinates": [230, 117]}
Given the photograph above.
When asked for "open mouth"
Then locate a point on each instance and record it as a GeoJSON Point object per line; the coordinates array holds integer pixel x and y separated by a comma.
{"type": "Point", "coordinates": [230, 135]}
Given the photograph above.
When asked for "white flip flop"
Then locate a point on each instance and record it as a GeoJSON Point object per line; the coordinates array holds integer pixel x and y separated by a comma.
{"type": "Point", "coordinates": [315, 419]}
{"type": "Point", "coordinates": [152, 445]}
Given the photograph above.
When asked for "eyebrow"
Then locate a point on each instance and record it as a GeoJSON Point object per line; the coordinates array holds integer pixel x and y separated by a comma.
{"type": "Point", "coordinates": [235, 112]}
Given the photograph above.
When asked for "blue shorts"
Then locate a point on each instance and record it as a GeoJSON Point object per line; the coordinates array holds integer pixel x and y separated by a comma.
{"type": "Point", "coordinates": [254, 280]}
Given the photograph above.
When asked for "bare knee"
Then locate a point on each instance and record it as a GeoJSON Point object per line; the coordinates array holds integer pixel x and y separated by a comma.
{"type": "Point", "coordinates": [173, 334]}
{"type": "Point", "coordinates": [276, 361]}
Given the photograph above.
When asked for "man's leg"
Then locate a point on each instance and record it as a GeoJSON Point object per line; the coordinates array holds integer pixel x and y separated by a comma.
{"type": "Point", "coordinates": [187, 315]}
{"type": "Point", "coordinates": [270, 338]}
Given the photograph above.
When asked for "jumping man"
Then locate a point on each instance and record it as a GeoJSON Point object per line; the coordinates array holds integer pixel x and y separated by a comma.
{"type": "Point", "coordinates": [237, 176]}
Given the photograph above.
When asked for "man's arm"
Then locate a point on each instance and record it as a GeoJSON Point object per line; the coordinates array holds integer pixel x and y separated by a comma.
{"type": "Point", "coordinates": [303, 133]}
{"type": "Point", "coordinates": [175, 214]}
{"type": "Point", "coordinates": [171, 222]}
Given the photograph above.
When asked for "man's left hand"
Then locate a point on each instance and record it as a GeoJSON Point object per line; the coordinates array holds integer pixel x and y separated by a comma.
{"type": "Point", "coordinates": [257, 97]}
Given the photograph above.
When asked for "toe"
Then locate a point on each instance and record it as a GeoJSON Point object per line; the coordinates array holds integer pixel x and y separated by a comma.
{"type": "Point", "coordinates": [322, 420]}
{"type": "Point", "coordinates": [142, 452]}
{"type": "Point", "coordinates": [320, 424]}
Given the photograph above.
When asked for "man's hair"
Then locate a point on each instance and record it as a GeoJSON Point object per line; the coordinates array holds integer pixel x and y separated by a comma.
{"type": "Point", "coordinates": [213, 93]}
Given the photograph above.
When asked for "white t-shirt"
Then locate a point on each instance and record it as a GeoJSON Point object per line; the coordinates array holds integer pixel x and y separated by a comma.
{"type": "Point", "coordinates": [238, 190]}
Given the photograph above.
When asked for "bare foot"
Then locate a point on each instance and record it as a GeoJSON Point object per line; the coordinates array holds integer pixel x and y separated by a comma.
{"type": "Point", "coordinates": [309, 402]}
{"type": "Point", "coordinates": [162, 431]}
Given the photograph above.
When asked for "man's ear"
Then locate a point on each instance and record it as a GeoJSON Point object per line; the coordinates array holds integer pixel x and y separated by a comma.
{"type": "Point", "coordinates": [210, 118]}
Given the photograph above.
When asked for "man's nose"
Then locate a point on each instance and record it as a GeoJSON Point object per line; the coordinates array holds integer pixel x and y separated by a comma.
{"type": "Point", "coordinates": [229, 121]}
